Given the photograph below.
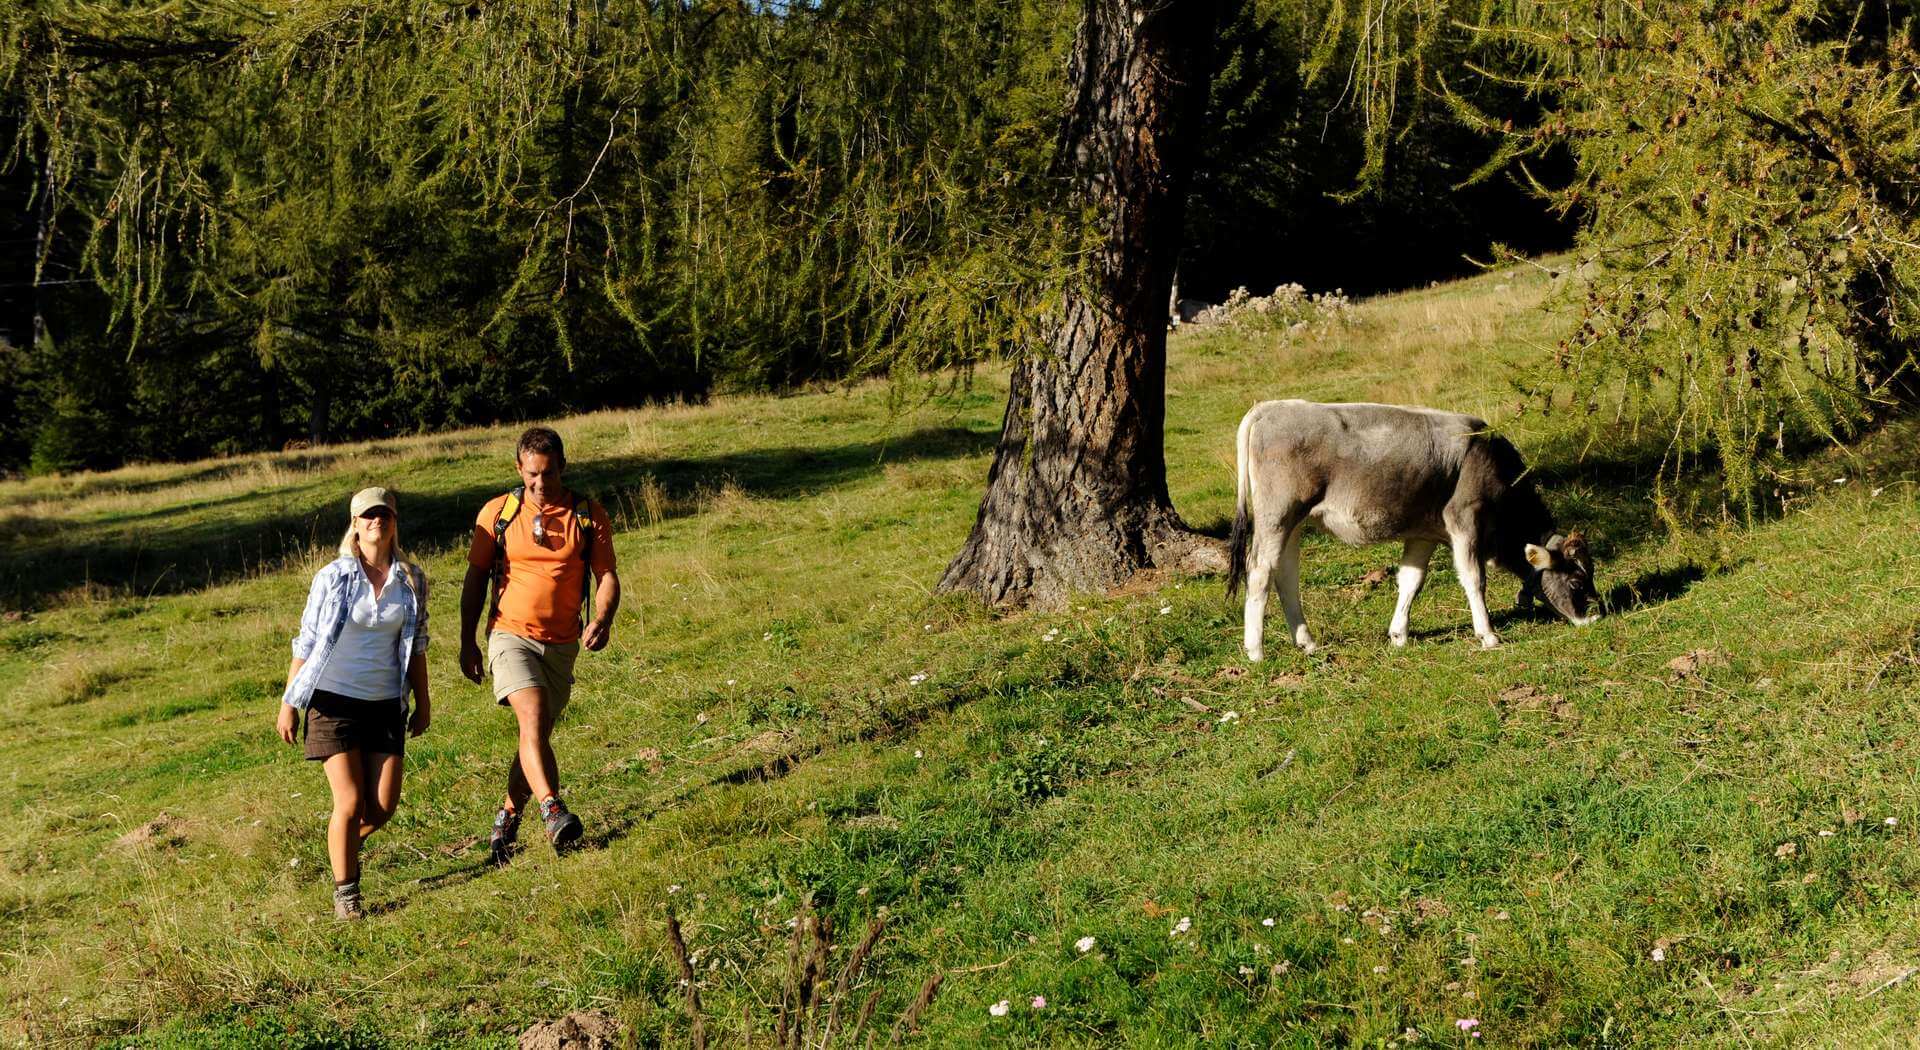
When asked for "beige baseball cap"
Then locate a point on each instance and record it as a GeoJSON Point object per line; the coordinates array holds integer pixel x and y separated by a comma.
{"type": "Point", "coordinates": [374, 496]}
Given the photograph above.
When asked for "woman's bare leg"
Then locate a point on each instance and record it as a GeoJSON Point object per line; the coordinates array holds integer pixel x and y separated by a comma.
{"type": "Point", "coordinates": [380, 773]}
{"type": "Point", "coordinates": [344, 777]}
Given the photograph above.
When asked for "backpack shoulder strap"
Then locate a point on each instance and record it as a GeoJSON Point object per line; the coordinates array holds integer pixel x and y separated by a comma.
{"type": "Point", "coordinates": [510, 507]}
{"type": "Point", "coordinates": [583, 520]}
{"type": "Point", "coordinates": [509, 510]}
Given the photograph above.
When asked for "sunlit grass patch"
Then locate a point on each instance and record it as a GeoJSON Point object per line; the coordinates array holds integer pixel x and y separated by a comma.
{"type": "Point", "coordinates": [1556, 840]}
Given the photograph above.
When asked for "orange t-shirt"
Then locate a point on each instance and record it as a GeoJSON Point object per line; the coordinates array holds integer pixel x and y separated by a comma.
{"type": "Point", "coordinates": [544, 582]}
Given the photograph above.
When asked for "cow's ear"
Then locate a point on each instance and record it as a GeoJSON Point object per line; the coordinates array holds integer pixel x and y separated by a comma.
{"type": "Point", "coordinates": [1539, 557]}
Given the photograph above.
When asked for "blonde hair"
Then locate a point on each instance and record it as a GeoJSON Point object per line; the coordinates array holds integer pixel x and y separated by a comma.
{"type": "Point", "coordinates": [350, 548]}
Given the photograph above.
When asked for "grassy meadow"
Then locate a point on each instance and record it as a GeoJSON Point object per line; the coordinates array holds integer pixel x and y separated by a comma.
{"type": "Point", "coordinates": [1693, 823]}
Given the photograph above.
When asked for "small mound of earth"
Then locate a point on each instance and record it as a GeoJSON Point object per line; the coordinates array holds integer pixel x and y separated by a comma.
{"type": "Point", "coordinates": [579, 1030]}
{"type": "Point", "coordinates": [1526, 698]}
{"type": "Point", "coordinates": [162, 830]}
{"type": "Point", "coordinates": [1879, 972]}
{"type": "Point", "coordinates": [1691, 662]}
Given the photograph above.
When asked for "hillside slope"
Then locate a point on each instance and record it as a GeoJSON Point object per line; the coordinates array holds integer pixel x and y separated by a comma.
{"type": "Point", "coordinates": [1694, 822]}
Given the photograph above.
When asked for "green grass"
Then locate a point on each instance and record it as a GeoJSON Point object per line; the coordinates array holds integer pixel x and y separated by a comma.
{"type": "Point", "coordinates": [1435, 833]}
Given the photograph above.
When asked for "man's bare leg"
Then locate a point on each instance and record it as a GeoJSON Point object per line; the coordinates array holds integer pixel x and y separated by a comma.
{"type": "Point", "coordinates": [535, 773]}
{"type": "Point", "coordinates": [518, 790]}
{"type": "Point", "coordinates": [536, 766]}
{"type": "Point", "coordinates": [532, 751]}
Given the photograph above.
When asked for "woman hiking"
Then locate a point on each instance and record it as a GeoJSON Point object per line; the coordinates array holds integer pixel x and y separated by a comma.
{"type": "Point", "coordinates": [361, 647]}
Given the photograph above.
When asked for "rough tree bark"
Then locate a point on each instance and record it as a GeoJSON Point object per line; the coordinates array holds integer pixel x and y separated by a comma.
{"type": "Point", "coordinates": [1077, 495]}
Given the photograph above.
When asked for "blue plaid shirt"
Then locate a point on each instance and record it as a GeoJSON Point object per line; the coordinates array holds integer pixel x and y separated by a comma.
{"type": "Point", "coordinates": [336, 587]}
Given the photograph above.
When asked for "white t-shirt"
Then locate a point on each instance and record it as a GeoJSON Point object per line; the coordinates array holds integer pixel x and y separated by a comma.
{"type": "Point", "coordinates": [365, 663]}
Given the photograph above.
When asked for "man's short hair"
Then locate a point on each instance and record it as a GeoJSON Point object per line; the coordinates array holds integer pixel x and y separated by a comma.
{"type": "Point", "coordinates": [541, 440]}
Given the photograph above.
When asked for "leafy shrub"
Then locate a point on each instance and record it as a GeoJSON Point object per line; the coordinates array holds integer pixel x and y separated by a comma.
{"type": "Point", "coordinates": [1038, 773]}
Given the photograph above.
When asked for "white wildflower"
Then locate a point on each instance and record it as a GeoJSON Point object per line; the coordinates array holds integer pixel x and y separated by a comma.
{"type": "Point", "coordinates": [1084, 944]}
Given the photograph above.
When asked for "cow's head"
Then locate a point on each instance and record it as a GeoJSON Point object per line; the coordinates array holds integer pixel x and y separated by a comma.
{"type": "Point", "coordinates": [1566, 577]}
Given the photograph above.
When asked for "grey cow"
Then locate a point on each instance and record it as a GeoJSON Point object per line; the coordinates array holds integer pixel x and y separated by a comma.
{"type": "Point", "coordinates": [1375, 473]}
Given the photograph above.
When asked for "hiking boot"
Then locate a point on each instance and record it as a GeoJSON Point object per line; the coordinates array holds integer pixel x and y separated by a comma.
{"type": "Point", "coordinates": [506, 830]}
{"type": "Point", "coordinates": [563, 828]}
{"type": "Point", "coordinates": [346, 903]}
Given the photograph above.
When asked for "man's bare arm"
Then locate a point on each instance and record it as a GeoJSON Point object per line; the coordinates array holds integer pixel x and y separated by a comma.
{"type": "Point", "coordinates": [606, 601]}
{"type": "Point", "coordinates": [473, 597]}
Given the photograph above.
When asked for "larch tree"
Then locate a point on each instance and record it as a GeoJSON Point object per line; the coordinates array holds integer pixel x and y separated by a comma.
{"type": "Point", "coordinates": [1077, 494]}
{"type": "Point", "coordinates": [1748, 172]}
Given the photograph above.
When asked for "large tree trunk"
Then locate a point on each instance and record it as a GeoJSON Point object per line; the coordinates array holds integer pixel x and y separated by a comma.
{"type": "Point", "coordinates": [1077, 495]}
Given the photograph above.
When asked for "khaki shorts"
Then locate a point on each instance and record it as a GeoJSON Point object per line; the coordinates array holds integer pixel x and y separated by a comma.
{"type": "Point", "coordinates": [521, 663]}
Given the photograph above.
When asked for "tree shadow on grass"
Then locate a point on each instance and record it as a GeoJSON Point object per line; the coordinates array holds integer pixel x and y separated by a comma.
{"type": "Point", "coordinates": [235, 537]}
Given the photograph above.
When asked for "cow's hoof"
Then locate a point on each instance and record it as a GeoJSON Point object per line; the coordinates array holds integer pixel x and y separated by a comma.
{"type": "Point", "coordinates": [1399, 640]}
{"type": "Point", "coordinates": [1308, 647]}
{"type": "Point", "coordinates": [1489, 641]}
{"type": "Point", "coordinates": [1254, 656]}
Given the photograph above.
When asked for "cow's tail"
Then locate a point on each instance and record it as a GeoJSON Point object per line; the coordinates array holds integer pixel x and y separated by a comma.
{"type": "Point", "coordinates": [1242, 531]}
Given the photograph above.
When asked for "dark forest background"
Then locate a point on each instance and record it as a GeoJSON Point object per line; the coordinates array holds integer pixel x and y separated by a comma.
{"type": "Point", "coordinates": [229, 225]}
{"type": "Point", "coordinates": [255, 227]}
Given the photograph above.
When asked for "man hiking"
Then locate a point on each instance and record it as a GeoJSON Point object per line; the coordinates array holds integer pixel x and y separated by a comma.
{"type": "Point", "coordinates": [533, 550]}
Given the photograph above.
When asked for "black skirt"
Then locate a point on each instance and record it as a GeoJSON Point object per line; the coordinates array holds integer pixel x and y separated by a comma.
{"type": "Point", "coordinates": [337, 724]}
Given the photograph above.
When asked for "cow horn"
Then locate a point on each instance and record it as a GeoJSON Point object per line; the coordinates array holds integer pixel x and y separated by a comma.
{"type": "Point", "coordinates": [1556, 542]}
